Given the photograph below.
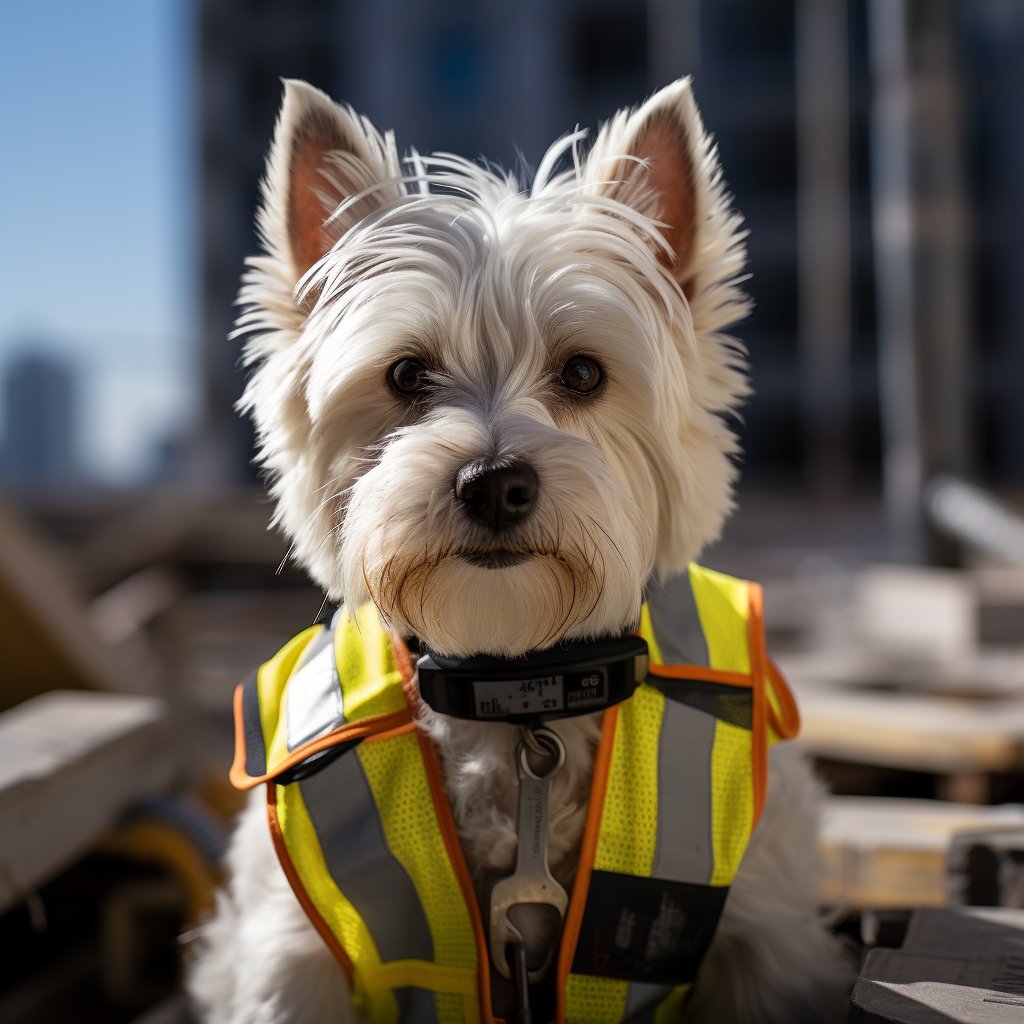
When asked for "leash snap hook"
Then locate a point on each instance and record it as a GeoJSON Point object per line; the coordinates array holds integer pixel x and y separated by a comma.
{"type": "Point", "coordinates": [546, 746]}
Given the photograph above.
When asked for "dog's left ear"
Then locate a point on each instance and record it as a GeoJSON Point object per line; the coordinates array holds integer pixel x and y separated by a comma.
{"type": "Point", "coordinates": [328, 169]}
{"type": "Point", "coordinates": [657, 160]}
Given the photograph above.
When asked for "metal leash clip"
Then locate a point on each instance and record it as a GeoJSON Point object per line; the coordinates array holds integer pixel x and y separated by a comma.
{"type": "Point", "coordinates": [540, 756]}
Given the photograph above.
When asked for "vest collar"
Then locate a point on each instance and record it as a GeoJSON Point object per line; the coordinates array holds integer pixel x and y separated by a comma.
{"type": "Point", "coordinates": [569, 679]}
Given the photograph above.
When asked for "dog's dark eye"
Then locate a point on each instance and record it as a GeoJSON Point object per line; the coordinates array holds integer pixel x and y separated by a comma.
{"type": "Point", "coordinates": [409, 376]}
{"type": "Point", "coordinates": [582, 375]}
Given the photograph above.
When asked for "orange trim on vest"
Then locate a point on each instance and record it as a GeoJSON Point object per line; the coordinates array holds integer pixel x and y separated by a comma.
{"type": "Point", "coordinates": [375, 725]}
{"type": "Point", "coordinates": [588, 852]}
{"type": "Point", "coordinates": [759, 674]}
{"type": "Point", "coordinates": [789, 726]}
{"type": "Point", "coordinates": [443, 813]}
{"type": "Point", "coordinates": [700, 672]}
{"type": "Point", "coordinates": [299, 889]}
{"type": "Point", "coordinates": [763, 672]}
{"type": "Point", "coordinates": [403, 662]}
{"type": "Point", "coordinates": [237, 773]}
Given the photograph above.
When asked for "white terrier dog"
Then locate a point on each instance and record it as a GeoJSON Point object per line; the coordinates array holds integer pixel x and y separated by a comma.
{"type": "Point", "coordinates": [500, 415]}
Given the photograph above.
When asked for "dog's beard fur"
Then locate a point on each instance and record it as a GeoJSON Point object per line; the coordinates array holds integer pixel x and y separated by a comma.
{"type": "Point", "coordinates": [581, 548]}
{"type": "Point", "coordinates": [493, 289]}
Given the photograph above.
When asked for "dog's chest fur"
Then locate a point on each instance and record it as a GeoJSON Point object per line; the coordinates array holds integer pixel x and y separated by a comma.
{"type": "Point", "coordinates": [479, 763]}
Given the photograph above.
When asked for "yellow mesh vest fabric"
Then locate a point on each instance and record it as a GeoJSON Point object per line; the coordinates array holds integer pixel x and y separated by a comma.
{"type": "Point", "coordinates": [271, 681]}
{"type": "Point", "coordinates": [341, 917]}
{"type": "Point", "coordinates": [723, 605]}
{"type": "Point", "coordinates": [626, 841]}
{"type": "Point", "coordinates": [398, 778]}
{"type": "Point", "coordinates": [595, 1000]}
{"type": "Point", "coordinates": [732, 799]}
{"type": "Point", "coordinates": [401, 791]}
{"type": "Point", "coordinates": [627, 837]}
{"type": "Point", "coordinates": [394, 768]}
{"type": "Point", "coordinates": [371, 682]}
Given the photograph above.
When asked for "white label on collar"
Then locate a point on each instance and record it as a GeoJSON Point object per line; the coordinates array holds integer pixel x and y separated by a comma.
{"type": "Point", "coordinates": [495, 698]}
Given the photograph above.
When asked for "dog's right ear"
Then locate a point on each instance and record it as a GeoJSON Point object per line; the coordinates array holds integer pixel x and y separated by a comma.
{"type": "Point", "coordinates": [659, 161]}
{"type": "Point", "coordinates": [328, 169]}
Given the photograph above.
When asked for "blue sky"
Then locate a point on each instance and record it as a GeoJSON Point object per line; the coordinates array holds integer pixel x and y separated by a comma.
{"type": "Point", "coordinates": [96, 211]}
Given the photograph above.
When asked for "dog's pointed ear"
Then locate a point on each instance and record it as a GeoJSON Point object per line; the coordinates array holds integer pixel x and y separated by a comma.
{"type": "Point", "coordinates": [655, 159]}
{"type": "Point", "coordinates": [323, 156]}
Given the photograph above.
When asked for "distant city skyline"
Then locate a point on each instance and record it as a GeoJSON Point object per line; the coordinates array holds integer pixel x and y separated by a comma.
{"type": "Point", "coordinates": [123, 104]}
{"type": "Point", "coordinates": [98, 213]}
{"type": "Point", "coordinates": [39, 445]}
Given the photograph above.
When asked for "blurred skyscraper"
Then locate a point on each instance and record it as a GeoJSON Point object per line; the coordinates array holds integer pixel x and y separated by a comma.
{"type": "Point", "coordinates": [485, 78]}
{"type": "Point", "coordinates": [40, 402]}
{"type": "Point", "coordinates": [497, 79]}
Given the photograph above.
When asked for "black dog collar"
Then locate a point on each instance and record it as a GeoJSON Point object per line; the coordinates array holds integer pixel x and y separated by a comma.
{"type": "Point", "coordinates": [574, 679]}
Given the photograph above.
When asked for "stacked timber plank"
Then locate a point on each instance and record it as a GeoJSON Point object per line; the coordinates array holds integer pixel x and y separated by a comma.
{"type": "Point", "coordinates": [71, 764]}
{"type": "Point", "coordinates": [880, 852]}
{"type": "Point", "coordinates": [928, 678]}
{"type": "Point", "coordinates": [926, 682]}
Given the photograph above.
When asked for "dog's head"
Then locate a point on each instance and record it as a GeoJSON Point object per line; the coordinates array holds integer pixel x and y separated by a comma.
{"type": "Point", "coordinates": [495, 411]}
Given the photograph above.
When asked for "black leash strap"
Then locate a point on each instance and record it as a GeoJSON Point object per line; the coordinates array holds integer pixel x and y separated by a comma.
{"type": "Point", "coordinates": [516, 956]}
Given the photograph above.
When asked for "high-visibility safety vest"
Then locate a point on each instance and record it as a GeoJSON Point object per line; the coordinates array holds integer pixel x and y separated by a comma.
{"type": "Point", "coordinates": [365, 834]}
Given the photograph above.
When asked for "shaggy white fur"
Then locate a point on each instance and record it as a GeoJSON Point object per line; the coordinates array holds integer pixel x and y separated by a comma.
{"type": "Point", "coordinates": [493, 289]}
{"type": "Point", "coordinates": [630, 257]}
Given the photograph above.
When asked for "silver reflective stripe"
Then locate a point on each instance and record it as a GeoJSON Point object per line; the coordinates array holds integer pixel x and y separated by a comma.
{"type": "Point", "coordinates": [642, 1001]}
{"type": "Point", "coordinates": [342, 809]}
{"type": "Point", "coordinates": [313, 697]}
{"type": "Point", "coordinates": [683, 850]}
{"type": "Point", "coordinates": [676, 621]}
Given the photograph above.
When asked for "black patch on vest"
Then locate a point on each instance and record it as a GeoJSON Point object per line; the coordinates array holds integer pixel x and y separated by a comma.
{"type": "Point", "coordinates": [646, 929]}
{"type": "Point", "coordinates": [732, 704]}
{"type": "Point", "coordinates": [252, 730]}
{"type": "Point", "coordinates": [316, 762]}
{"type": "Point", "coordinates": [255, 745]}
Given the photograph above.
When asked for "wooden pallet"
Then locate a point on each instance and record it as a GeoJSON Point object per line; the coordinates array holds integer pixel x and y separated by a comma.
{"type": "Point", "coordinates": [970, 747]}
{"type": "Point", "coordinates": [915, 732]}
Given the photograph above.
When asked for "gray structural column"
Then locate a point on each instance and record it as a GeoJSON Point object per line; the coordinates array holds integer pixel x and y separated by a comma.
{"type": "Point", "coordinates": [673, 41]}
{"type": "Point", "coordinates": [823, 239]}
{"type": "Point", "coordinates": [921, 262]}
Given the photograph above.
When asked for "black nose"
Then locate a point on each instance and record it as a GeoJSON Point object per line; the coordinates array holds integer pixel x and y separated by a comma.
{"type": "Point", "coordinates": [497, 494]}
